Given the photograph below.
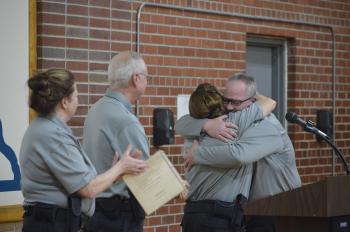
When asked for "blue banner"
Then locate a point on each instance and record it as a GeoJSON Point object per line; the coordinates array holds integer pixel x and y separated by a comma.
{"type": "Point", "coordinates": [7, 151]}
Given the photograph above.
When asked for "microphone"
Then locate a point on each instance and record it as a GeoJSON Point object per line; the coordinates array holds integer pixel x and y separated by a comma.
{"type": "Point", "coordinates": [307, 126]}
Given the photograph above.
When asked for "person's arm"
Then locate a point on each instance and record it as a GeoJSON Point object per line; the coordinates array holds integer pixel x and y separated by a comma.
{"type": "Point", "coordinates": [72, 169]}
{"type": "Point", "coordinates": [257, 142]}
{"type": "Point", "coordinates": [256, 111]}
{"type": "Point", "coordinates": [126, 165]}
{"type": "Point", "coordinates": [267, 104]}
{"type": "Point", "coordinates": [190, 127]}
{"type": "Point", "coordinates": [222, 129]}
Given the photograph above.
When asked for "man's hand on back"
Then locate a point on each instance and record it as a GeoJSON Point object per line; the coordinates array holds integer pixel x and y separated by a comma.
{"type": "Point", "coordinates": [220, 129]}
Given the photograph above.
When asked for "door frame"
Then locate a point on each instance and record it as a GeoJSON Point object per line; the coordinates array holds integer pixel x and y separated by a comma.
{"type": "Point", "coordinates": [279, 69]}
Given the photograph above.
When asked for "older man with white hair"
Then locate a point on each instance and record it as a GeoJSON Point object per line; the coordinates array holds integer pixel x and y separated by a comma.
{"type": "Point", "coordinates": [109, 127]}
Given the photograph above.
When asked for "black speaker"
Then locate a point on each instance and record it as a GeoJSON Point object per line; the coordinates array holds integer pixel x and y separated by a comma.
{"type": "Point", "coordinates": [163, 127]}
{"type": "Point", "coordinates": [324, 123]}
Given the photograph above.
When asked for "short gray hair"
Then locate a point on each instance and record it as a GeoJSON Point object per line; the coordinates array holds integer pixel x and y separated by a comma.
{"type": "Point", "coordinates": [123, 66]}
{"type": "Point", "coordinates": [247, 80]}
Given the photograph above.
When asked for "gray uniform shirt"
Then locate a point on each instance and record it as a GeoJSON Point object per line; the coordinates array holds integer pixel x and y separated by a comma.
{"type": "Point", "coordinates": [266, 142]}
{"type": "Point", "coordinates": [215, 183]}
{"type": "Point", "coordinates": [53, 164]}
{"type": "Point", "coordinates": [109, 127]}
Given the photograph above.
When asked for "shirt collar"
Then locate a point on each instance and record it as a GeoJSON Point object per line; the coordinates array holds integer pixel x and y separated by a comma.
{"type": "Point", "coordinates": [119, 97]}
{"type": "Point", "coordinates": [53, 118]}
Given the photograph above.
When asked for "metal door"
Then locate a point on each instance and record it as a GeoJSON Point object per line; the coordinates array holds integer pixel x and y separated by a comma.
{"type": "Point", "coordinates": [266, 62]}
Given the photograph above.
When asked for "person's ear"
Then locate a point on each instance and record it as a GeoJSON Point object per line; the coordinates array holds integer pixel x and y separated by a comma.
{"type": "Point", "coordinates": [64, 103]}
{"type": "Point", "coordinates": [135, 79]}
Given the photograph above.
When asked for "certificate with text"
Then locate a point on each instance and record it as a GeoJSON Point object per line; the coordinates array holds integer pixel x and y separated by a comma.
{"type": "Point", "coordinates": [157, 185]}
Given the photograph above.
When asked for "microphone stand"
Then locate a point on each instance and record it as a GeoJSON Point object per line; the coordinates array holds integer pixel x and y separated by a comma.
{"type": "Point", "coordinates": [309, 127]}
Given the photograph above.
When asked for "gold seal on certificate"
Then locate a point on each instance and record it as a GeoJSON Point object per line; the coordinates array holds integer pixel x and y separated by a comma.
{"type": "Point", "coordinates": [157, 185]}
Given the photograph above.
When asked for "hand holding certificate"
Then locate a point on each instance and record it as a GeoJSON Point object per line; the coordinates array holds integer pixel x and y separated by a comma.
{"type": "Point", "coordinates": [157, 185]}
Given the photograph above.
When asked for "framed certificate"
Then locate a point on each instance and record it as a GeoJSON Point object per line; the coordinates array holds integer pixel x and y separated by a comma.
{"type": "Point", "coordinates": [157, 185]}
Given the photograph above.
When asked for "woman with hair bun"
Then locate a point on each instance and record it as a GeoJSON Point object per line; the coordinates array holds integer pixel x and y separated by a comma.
{"type": "Point", "coordinates": [59, 182]}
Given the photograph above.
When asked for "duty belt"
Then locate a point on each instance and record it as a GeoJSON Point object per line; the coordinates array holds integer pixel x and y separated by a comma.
{"type": "Point", "coordinates": [112, 203]}
{"type": "Point", "coordinates": [217, 208]}
{"type": "Point", "coordinates": [234, 212]}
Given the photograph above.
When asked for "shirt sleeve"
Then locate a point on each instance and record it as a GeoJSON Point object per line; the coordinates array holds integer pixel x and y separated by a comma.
{"type": "Point", "coordinates": [188, 126]}
{"type": "Point", "coordinates": [246, 117]}
{"type": "Point", "coordinates": [134, 134]}
{"type": "Point", "coordinates": [258, 141]}
{"type": "Point", "coordinates": [67, 164]}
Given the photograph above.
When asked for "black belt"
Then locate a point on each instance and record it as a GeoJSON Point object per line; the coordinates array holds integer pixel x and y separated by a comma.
{"type": "Point", "coordinates": [217, 208]}
{"type": "Point", "coordinates": [46, 212]}
{"type": "Point", "coordinates": [52, 213]}
{"type": "Point", "coordinates": [113, 203]}
{"type": "Point", "coordinates": [231, 211]}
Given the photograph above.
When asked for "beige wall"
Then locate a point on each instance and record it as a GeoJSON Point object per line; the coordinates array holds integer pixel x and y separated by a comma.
{"type": "Point", "coordinates": [11, 227]}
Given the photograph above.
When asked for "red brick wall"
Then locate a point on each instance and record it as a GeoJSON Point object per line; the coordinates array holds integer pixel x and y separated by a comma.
{"type": "Point", "coordinates": [183, 49]}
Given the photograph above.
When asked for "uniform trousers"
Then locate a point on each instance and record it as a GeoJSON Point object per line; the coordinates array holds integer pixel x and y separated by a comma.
{"type": "Point", "coordinates": [214, 216]}
{"type": "Point", "coordinates": [113, 214]}
{"type": "Point", "coordinates": [49, 218]}
{"type": "Point", "coordinates": [205, 222]}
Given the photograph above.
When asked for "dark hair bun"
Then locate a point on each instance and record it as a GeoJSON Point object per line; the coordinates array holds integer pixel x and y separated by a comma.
{"type": "Point", "coordinates": [49, 88]}
{"type": "Point", "coordinates": [40, 85]}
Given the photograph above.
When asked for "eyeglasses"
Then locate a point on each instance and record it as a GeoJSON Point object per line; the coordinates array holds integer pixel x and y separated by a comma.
{"type": "Point", "coordinates": [234, 102]}
{"type": "Point", "coordinates": [149, 78]}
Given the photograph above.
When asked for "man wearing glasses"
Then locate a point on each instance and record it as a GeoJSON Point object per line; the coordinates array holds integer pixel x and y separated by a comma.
{"type": "Point", "coordinates": [273, 172]}
{"type": "Point", "coordinates": [109, 127]}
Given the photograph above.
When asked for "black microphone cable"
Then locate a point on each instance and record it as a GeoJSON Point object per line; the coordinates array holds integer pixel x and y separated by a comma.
{"type": "Point", "coordinates": [309, 127]}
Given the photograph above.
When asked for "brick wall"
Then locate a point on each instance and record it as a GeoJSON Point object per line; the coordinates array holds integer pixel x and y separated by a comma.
{"type": "Point", "coordinates": [183, 49]}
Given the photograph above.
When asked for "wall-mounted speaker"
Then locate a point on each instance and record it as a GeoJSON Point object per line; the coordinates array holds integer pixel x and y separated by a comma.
{"type": "Point", "coordinates": [324, 123]}
{"type": "Point", "coordinates": [163, 127]}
